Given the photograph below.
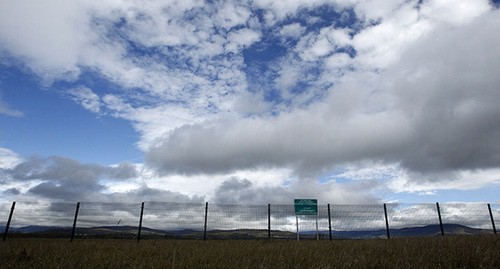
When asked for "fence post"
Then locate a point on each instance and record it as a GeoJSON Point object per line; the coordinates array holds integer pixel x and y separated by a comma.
{"type": "Point", "coordinates": [492, 220]}
{"type": "Point", "coordinates": [440, 220]}
{"type": "Point", "coordinates": [329, 223]}
{"type": "Point", "coordinates": [140, 223]}
{"type": "Point", "coordinates": [8, 222]}
{"type": "Point", "coordinates": [268, 221]}
{"type": "Point", "coordinates": [386, 222]}
{"type": "Point", "coordinates": [74, 222]}
{"type": "Point", "coordinates": [205, 226]}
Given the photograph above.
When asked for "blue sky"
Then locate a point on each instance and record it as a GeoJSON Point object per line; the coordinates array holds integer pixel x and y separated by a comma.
{"type": "Point", "coordinates": [250, 102]}
{"type": "Point", "coordinates": [52, 124]}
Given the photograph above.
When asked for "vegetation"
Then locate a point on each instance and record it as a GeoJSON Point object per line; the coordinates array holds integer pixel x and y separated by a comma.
{"type": "Point", "coordinates": [427, 252]}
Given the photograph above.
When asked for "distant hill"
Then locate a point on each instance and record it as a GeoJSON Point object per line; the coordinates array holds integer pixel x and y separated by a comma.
{"type": "Point", "coordinates": [131, 232]}
{"type": "Point", "coordinates": [428, 230]}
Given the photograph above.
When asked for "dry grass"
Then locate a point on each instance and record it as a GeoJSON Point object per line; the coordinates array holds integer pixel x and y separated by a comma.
{"type": "Point", "coordinates": [434, 252]}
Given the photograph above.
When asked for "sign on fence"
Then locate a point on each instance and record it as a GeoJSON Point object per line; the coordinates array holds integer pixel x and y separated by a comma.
{"type": "Point", "coordinates": [306, 206]}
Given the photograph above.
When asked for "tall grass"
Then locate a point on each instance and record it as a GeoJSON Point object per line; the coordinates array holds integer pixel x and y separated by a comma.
{"type": "Point", "coordinates": [429, 252]}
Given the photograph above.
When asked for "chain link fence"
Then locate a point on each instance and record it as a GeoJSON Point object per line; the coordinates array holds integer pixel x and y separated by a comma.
{"type": "Point", "coordinates": [169, 220]}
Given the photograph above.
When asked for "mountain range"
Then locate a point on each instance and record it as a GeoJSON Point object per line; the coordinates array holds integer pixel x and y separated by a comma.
{"type": "Point", "coordinates": [131, 232]}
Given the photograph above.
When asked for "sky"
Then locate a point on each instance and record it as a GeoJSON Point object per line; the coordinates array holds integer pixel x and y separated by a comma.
{"type": "Point", "coordinates": [250, 102]}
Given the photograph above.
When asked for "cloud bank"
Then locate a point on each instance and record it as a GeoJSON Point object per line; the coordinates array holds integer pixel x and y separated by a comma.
{"type": "Point", "coordinates": [311, 87]}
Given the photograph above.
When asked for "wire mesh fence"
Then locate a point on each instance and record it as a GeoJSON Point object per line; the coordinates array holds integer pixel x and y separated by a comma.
{"type": "Point", "coordinates": [244, 221]}
{"type": "Point", "coordinates": [4, 213]}
{"type": "Point", "coordinates": [45, 219]}
{"type": "Point", "coordinates": [231, 221]}
{"type": "Point", "coordinates": [178, 220]}
{"type": "Point", "coordinates": [495, 215]}
{"type": "Point", "coordinates": [108, 220]}
{"type": "Point", "coordinates": [413, 219]}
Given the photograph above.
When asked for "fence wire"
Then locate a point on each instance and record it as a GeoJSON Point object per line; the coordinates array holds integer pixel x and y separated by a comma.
{"type": "Point", "coordinates": [469, 215]}
{"type": "Point", "coordinates": [230, 221]}
{"type": "Point", "coordinates": [403, 218]}
{"type": "Point", "coordinates": [113, 219]}
{"type": "Point", "coordinates": [495, 211]}
{"type": "Point", "coordinates": [357, 217]}
{"type": "Point", "coordinates": [31, 217]}
{"type": "Point", "coordinates": [175, 220]}
{"type": "Point", "coordinates": [4, 215]}
{"type": "Point", "coordinates": [238, 219]}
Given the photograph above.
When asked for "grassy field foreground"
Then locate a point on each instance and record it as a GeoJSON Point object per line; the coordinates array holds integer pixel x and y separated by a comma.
{"type": "Point", "coordinates": [433, 252]}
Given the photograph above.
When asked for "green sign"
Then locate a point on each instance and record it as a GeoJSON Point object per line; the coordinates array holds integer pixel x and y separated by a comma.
{"type": "Point", "coordinates": [306, 207]}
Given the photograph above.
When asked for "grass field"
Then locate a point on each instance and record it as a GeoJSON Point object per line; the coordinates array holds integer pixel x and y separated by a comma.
{"type": "Point", "coordinates": [429, 252]}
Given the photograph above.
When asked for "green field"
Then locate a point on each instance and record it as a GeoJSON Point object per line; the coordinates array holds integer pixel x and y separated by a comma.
{"type": "Point", "coordinates": [429, 252]}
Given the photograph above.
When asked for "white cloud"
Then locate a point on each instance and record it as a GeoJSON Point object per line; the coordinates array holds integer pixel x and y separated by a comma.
{"type": "Point", "coordinates": [380, 45]}
{"type": "Point", "coordinates": [289, 75]}
{"type": "Point", "coordinates": [278, 10]}
{"type": "Point", "coordinates": [338, 61]}
{"type": "Point", "coordinates": [369, 171]}
{"type": "Point", "coordinates": [50, 40]}
{"type": "Point", "coordinates": [454, 12]}
{"type": "Point", "coordinates": [294, 30]}
{"type": "Point", "coordinates": [8, 158]}
{"type": "Point", "coordinates": [316, 45]}
{"type": "Point", "coordinates": [87, 98]}
{"type": "Point", "coordinates": [462, 180]}
{"type": "Point", "coordinates": [231, 15]}
{"type": "Point", "coordinates": [242, 38]}
{"type": "Point", "coordinates": [377, 9]}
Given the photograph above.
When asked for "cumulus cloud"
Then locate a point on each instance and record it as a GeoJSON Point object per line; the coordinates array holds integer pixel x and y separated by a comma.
{"type": "Point", "coordinates": [47, 42]}
{"type": "Point", "coordinates": [431, 111]}
{"type": "Point", "coordinates": [305, 142]}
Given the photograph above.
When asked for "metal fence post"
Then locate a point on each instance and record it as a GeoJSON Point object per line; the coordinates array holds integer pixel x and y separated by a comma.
{"type": "Point", "coordinates": [268, 221]}
{"type": "Point", "coordinates": [440, 220]}
{"type": "Point", "coordinates": [8, 222]}
{"type": "Point", "coordinates": [140, 223]}
{"type": "Point", "coordinates": [297, 223]}
{"type": "Point", "coordinates": [74, 222]}
{"type": "Point", "coordinates": [492, 220]}
{"type": "Point", "coordinates": [205, 226]}
{"type": "Point", "coordinates": [386, 222]}
{"type": "Point", "coordinates": [329, 223]}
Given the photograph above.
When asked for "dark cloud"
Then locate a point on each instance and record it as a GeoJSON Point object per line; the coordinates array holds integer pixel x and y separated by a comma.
{"type": "Point", "coordinates": [242, 191]}
{"type": "Point", "coordinates": [12, 191]}
{"type": "Point", "coordinates": [64, 179]}
{"type": "Point", "coordinates": [448, 86]}
{"type": "Point", "coordinates": [124, 170]}
{"type": "Point", "coordinates": [151, 195]}
{"type": "Point", "coordinates": [65, 169]}
{"type": "Point", "coordinates": [235, 191]}
{"type": "Point", "coordinates": [67, 179]}
{"type": "Point", "coordinates": [65, 191]}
